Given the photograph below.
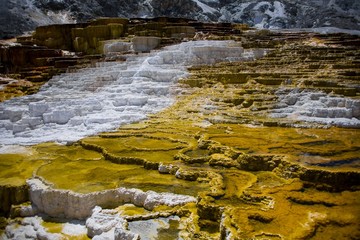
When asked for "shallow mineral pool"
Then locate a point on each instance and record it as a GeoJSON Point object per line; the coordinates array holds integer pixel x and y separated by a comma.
{"type": "Point", "coordinates": [160, 228]}
{"type": "Point", "coordinates": [334, 147]}
{"type": "Point", "coordinates": [75, 168]}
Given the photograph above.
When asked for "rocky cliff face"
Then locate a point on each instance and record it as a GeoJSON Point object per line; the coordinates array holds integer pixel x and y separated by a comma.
{"type": "Point", "coordinates": [17, 16]}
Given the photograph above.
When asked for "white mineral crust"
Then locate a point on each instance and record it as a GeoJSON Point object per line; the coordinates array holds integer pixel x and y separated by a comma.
{"type": "Point", "coordinates": [71, 205]}
{"type": "Point", "coordinates": [318, 107]}
{"type": "Point", "coordinates": [74, 105]}
{"type": "Point", "coordinates": [108, 224]}
{"type": "Point", "coordinates": [29, 228]}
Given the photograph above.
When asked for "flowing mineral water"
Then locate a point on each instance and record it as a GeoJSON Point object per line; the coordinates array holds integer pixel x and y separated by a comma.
{"type": "Point", "coordinates": [74, 105]}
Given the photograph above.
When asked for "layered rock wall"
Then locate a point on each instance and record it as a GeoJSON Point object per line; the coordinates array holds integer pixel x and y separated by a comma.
{"type": "Point", "coordinates": [15, 58]}
{"type": "Point", "coordinates": [55, 36]}
{"type": "Point", "coordinates": [10, 195]}
{"type": "Point", "coordinates": [88, 39]}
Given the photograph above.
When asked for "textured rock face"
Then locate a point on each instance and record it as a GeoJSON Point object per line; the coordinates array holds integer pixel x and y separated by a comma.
{"type": "Point", "coordinates": [29, 228]}
{"type": "Point", "coordinates": [67, 204]}
{"type": "Point", "coordinates": [111, 47]}
{"type": "Point", "coordinates": [56, 36]}
{"type": "Point", "coordinates": [19, 16]}
{"type": "Point", "coordinates": [88, 38]}
{"type": "Point", "coordinates": [17, 57]}
{"type": "Point", "coordinates": [180, 32]}
{"type": "Point", "coordinates": [319, 107]}
{"type": "Point", "coordinates": [12, 195]}
{"type": "Point", "coordinates": [102, 221]}
{"type": "Point", "coordinates": [263, 14]}
{"type": "Point", "coordinates": [81, 37]}
{"type": "Point", "coordinates": [145, 44]}
{"type": "Point", "coordinates": [182, 8]}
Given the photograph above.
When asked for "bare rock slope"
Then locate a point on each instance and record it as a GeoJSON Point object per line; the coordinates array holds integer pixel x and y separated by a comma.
{"type": "Point", "coordinates": [18, 16]}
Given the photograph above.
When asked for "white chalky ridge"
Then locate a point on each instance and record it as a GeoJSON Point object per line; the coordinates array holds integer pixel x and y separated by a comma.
{"type": "Point", "coordinates": [318, 107]}
{"type": "Point", "coordinates": [72, 205]}
{"type": "Point", "coordinates": [74, 105]}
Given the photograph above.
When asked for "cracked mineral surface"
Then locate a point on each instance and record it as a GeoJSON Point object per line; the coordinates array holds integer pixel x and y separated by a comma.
{"type": "Point", "coordinates": [253, 149]}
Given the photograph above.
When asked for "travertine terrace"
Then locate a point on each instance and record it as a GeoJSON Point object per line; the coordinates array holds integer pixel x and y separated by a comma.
{"type": "Point", "coordinates": [263, 145]}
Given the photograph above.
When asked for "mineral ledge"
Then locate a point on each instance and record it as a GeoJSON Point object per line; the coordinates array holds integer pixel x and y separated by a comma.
{"type": "Point", "coordinates": [219, 132]}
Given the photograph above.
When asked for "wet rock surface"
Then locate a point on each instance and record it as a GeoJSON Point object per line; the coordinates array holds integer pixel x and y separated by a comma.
{"type": "Point", "coordinates": [232, 158]}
